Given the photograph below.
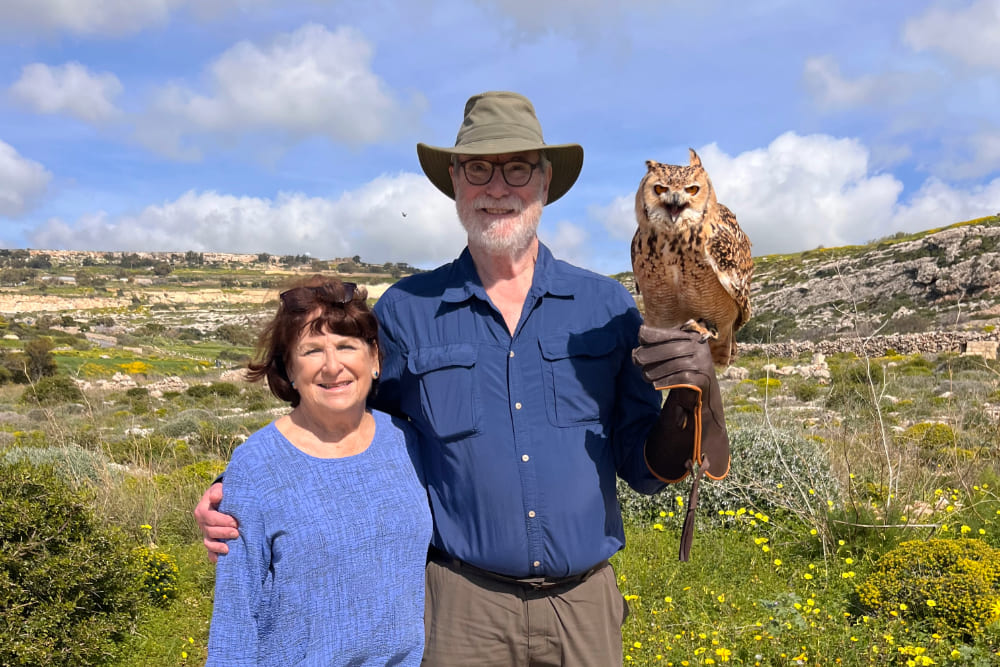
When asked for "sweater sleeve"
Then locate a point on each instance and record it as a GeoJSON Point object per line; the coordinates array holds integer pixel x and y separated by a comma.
{"type": "Point", "coordinates": [241, 575]}
{"type": "Point", "coordinates": [387, 398]}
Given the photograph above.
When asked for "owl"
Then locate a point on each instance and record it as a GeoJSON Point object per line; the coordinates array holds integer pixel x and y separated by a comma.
{"type": "Point", "coordinates": [691, 260]}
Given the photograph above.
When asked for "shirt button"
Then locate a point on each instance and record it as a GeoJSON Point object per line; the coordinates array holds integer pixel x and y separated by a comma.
{"type": "Point", "coordinates": [525, 458]}
{"type": "Point", "coordinates": [517, 405]}
{"type": "Point", "coordinates": [512, 354]}
{"type": "Point", "coordinates": [536, 563]}
{"type": "Point", "coordinates": [531, 514]}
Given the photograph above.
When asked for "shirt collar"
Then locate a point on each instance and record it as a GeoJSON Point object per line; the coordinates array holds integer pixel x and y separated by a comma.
{"type": "Point", "coordinates": [549, 279]}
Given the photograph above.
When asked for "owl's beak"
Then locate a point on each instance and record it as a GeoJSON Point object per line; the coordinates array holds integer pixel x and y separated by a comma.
{"type": "Point", "coordinates": [673, 204]}
{"type": "Point", "coordinates": [675, 210]}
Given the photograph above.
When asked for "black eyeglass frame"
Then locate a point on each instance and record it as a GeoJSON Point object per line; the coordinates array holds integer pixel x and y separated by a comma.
{"type": "Point", "coordinates": [503, 170]}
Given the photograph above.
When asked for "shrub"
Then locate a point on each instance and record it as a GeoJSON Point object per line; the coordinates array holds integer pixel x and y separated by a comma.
{"type": "Point", "coordinates": [137, 393]}
{"type": "Point", "coordinates": [804, 389]}
{"type": "Point", "coordinates": [159, 575]}
{"type": "Point", "coordinates": [767, 386]}
{"type": "Point", "coordinates": [186, 423]}
{"type": "Point", "coordinates": [177, 492]}
{"type": "Point", "coordinates": [951, 585]}
{"type": "Point", "coordinates": [72, 464]}
{"type": "Point", "coordinates": [219, 438]}
{"type": "Point", "coordinates": [914, 364]}
{"type": "Point", "coordinates": [220, 389]}
{"type": "Point", "coordinates": [233, 355]}
{"type": "Point", "coordinates": [14, 363]}
{"type": "Point", "coordinates": [236, 334]}
{"type": "Point", "coordinates": [152, 451]}
{"type": "Point", "coordinates": [956, 364]}
{"type": "Point", "coordinates": [69, 587]}
{"type": "Point", "coordinates": [933, 439]}
{"type": "Point", "coordinates": [40, 362]}
{"type": "Point", "coordinates": [53, 389]}
{"type": "Point", "coordinates": [224, 389]}
{"type": "Point", "coordinates": [772, 471]}
{"type": "Point", "coordinates": [852, 385]}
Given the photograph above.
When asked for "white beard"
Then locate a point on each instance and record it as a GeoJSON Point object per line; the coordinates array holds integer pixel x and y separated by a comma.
{"type": "Point", "coordinates": [507, 235]}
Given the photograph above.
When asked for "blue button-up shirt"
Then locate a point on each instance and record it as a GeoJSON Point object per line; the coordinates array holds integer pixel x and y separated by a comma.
{"type": "Point", "coordinates": [521, 436]}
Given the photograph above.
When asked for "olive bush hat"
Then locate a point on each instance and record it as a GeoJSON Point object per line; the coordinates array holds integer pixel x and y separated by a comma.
{"type": "Point", "coordinates": [496, 123]}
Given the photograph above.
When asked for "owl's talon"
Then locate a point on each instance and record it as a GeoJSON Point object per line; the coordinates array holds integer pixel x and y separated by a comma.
{"type": "Point", "coordinates": [707, 330]}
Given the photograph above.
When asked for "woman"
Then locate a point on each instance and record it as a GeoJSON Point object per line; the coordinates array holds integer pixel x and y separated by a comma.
{"type": "Point", "coordinates": [345, 587]}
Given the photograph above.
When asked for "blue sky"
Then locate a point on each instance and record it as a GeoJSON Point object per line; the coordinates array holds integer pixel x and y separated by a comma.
{"type": "Point", "coordinates": [289, 126]}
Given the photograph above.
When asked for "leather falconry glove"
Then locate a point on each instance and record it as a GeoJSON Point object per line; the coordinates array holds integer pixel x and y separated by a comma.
{"type": "Point", "coordinates": [690, 436]}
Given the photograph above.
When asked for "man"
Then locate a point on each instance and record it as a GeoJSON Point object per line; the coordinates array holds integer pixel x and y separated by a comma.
{"type": "Point", "coordinates": [516, 370]}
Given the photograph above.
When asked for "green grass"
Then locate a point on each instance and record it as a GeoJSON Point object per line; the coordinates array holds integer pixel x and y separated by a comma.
{"type": "Point", "coordinates": [754, 595]}
{"type": "Point", "coordinates": [177, 634]}
{"type": "Point", "coordinates": [181, 359]}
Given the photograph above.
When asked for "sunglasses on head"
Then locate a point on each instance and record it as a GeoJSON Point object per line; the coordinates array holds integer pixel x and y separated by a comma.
{"type": "Point", "coordinates": [325, 292]}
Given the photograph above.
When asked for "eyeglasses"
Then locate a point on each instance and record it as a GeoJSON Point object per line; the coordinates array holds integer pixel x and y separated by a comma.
{"type": "Point", "coordinates": [326, 292]}
{"type": "Point", "coordinates": [515, 172]}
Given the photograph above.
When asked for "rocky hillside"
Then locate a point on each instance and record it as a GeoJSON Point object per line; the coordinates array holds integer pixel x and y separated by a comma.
{"type": "Point", "coordinates": [940, 280]}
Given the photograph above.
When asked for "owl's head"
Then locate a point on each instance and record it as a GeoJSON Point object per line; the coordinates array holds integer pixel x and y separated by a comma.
{"type": "Point", "coordinates": [671, 194]}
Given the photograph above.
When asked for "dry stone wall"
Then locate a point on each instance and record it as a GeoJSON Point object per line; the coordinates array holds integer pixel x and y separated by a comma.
{"type": "Point", "coordinates": [930, 342]}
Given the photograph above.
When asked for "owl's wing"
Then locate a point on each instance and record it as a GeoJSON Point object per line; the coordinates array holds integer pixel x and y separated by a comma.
{"type": "Point", "coordinates": [728, 249]}
{"type": "Point", "coordinates": [636, 270]}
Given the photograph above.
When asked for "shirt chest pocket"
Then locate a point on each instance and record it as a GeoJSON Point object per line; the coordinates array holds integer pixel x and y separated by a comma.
{"type": "Point", "coordinates": [579, 370]}
{"type": "Point", "coordinates": [448, 390]}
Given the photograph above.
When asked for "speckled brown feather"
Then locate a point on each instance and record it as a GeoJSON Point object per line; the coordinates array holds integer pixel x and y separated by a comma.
{"type": "Point", "coordinates": [690, 258]}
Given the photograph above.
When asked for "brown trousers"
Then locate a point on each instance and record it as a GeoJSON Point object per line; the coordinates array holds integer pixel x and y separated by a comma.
{"type": "Point", "coordinates": [474, 621]}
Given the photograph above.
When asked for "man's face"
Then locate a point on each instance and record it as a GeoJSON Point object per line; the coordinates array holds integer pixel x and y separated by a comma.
{"type": "Point", "coordinates": [497, 216]}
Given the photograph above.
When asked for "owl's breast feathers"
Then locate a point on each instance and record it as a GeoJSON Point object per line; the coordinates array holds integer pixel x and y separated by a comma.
{"type": "Point", "coordinates": [675, 276]}
{"type": "Point", "coordinates": [696, 272]}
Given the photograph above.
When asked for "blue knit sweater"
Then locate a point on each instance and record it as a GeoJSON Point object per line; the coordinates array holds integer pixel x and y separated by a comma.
{"type": "Point", "coordinates": [329, 565]}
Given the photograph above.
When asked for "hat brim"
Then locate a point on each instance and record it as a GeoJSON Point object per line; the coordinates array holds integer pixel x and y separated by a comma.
{"type": "Point", "coordinates": [566, 160]}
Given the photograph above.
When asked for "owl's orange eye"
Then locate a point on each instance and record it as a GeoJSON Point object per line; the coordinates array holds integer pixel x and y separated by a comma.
{"type": "Point", "coordinates": [659, 189]}
{"type": "Point", "coordinates": [692, 189]}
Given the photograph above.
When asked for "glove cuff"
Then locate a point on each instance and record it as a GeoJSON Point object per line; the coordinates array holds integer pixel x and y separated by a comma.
{"type": "Point", "coordinates": [675, 440]}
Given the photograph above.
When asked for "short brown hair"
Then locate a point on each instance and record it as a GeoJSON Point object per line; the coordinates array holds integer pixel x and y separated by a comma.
{"type": "Point", "coordinates": [343, 310]}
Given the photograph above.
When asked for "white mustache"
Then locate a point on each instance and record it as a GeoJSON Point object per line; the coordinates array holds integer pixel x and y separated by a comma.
{"type": "Point", "coordinates": [512, 203]}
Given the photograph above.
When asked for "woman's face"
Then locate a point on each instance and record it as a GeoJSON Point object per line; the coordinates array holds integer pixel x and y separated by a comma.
{"type": "Point", "coordinates": [332, 372]}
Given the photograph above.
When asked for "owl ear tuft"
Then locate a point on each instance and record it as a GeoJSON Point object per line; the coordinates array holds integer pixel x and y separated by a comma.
{"type": "Point", "coordinates": [651, 165]}
{"type": "Point", "coordinates": [695, 160]}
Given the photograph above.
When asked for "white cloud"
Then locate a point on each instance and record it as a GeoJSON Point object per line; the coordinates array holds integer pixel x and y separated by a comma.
{"type": "Point", "coordinates": [84, 17]}
{"type": "Point", "coordinates": [584, 20]}
{"type": "Point", "coordinates": [567, 241]}
{"type": "Point", "coordinates": [804, 191]}
{"type": "Point", "coordinates": [970, 34]}
{"type": "Point", "coordinates": [830, 89]}
{"type": "Point", "coordinates": [22, 182]}
{"type": "Point", "coordinates": [70, 89]}
{"type": "Point", "coordinates": [937, 204]}
{"type": "Point", "coordinates": [977, 155]}
{"type": "Point", "coordinates": [618, 217]}
{"type": "Point", "coordinates": [398, 218]}
{"type": "Point", "coordinates": [801, 192]}
{"type": "Point", "coordinates": [797, 193]}
{"type": "Point", "coordinates": [101, 17]}
{"type": "Point", "coordinates": [309, 82]}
